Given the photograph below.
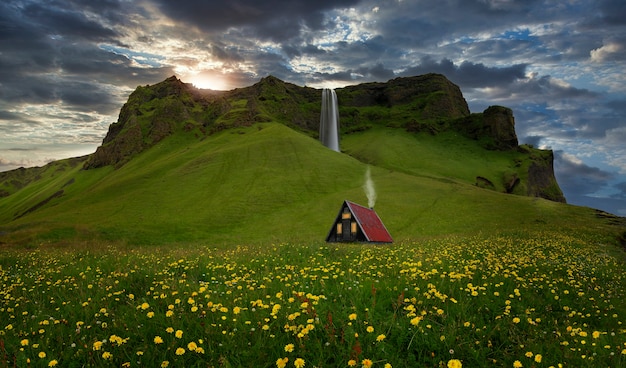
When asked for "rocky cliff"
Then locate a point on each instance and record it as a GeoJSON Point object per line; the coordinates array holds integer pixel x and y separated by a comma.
{"type": "Point", "coordinates": [428, 103]}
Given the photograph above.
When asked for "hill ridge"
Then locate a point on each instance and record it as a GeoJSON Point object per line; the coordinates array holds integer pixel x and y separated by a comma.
{"type": "Point", "coordinates": [183, 164]}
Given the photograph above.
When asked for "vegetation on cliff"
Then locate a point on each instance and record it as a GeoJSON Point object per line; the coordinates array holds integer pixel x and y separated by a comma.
{"type": "Point", "coordinates": [183, 164]}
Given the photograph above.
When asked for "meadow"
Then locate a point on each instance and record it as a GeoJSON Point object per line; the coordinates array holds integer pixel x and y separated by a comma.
{"type": "Point", "coordinates": [531, 299]}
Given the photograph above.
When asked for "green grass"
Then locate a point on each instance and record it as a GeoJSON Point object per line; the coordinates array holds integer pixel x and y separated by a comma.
{"type": "Point", "coordinates": [221, 230]}
{"type": "Point", "coordinates": [268, 182]}
{"type": "Point", "coordinates": [483, 300]}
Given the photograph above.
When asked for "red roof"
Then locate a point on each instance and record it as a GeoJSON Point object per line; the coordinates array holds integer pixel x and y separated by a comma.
{"type": "Point", "coordinates": [370, 223]}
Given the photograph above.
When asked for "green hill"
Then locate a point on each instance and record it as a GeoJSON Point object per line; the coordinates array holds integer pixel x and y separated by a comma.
{"type": "Point", "coordinates": [244, 166]}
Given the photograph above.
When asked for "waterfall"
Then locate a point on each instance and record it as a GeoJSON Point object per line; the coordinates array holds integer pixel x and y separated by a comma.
{"type": "Point", "coordinates": [329, 120]}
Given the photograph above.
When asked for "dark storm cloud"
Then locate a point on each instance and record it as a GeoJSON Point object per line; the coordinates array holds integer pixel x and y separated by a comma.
{"type": "Point", "coordinates": [66, 23]}
{"type": "Point", "coordinates": [271, 19]}
{"type": "Point", "coordinates": [622, 187]}
{"type": "Point", "coordinates": [579, 176]}
{"type": "Point", "coordinates": [468, 74]}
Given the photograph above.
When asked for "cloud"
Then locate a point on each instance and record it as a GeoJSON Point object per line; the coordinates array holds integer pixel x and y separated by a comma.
{"type": "Point", "coordinates": [609, 51]}
{"type": "Point", "coordinates": [468, 74]}
{"type": "Point", "coordinates": [574, 170]}
{"type": "Point", "coordinates": [270, 19]}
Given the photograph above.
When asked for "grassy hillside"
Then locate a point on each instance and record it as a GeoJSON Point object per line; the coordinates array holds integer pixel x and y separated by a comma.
{"type": "Point", "coordinates": [268, 183]}
{"type": "Point", "coordinates": [200, 242]}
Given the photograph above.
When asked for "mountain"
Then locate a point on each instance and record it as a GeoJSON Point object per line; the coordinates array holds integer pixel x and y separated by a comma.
{"type": "Point", "coordinates": [189, 165]}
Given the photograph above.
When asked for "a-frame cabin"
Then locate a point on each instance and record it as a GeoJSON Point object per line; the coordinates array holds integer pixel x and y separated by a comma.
{"type": "Point", "coordinates": [356, 223]}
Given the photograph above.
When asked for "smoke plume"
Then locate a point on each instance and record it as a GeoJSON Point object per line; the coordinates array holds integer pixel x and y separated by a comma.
{"type": "Point", "coordinates": [369, 189]}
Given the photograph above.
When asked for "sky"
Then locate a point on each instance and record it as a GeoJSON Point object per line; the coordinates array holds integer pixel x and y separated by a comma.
{"type": "Point", "coordinates": [68, 66]}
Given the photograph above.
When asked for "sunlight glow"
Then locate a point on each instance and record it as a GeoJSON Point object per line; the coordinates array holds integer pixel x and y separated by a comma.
{"type": "Point", "coordinates": [216, 83]}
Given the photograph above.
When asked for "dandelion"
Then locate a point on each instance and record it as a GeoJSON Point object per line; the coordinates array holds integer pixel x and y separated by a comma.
{"type": "Point", "coordinates": [41, 354]}
{"type": "Point", "coordinates": [281, 362]}
{"type": "Point", "coordinates": [179, 334]}
{"type": "Point", "coordinates": [595, 334]}
{"type": "Point", "coordinates": [352, 317]}
{"type": "Point", "coordinates": [369, 329]}
{"type": "Point", "coordinates": [529, 354]}
{"type": "Point", "coordinates": [517, 364]}
{"type": "Point", "coordinates": [516, 320]}
{"type": "Point", "coordinates": [192, 346]}
{"type": "Point", "coordinates": [165, 364]}
{"type": "Point", "coordinates": [351, 363]}
{"type": "Point", "coordinates": [97, 345]}
{"type": "Point", "coordinates": [454, 363]}
{"type": "Point", "coordinates": [106, 355]}
{"type": "Point", "coordinates": [158, 340]}
{"type": "Point", "coordinates": [299, 363]}
{"type": "Point", "coordinates": [24, 342]}
{"type": "Point", "coordinates": [538, 358]}
{"type": "Point", "coordinates": [366, 363]}
{"type": "Point", "coordinates": [388, 365]}
{"type": "Point", "coordinates": [145, 306]}
{"type": "Point", "coordinates": [380, 337]}
{"type": "Point", "coordinates": [416, 320]}
{"type": "Point", "coordinates": [289, 348]}
{"type": "Point", "coordinates": [180, 351]}
{"type": "Point", "coordinates": [53, 363]}
{"type": "Point", "coordinates": [150, 314]}
{"type": "Point", "coordinates": [169, 330]}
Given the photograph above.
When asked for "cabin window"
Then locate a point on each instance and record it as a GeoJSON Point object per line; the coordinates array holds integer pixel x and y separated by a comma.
{"type": "Point", "coordinates": [353, 227]}
{"type": "Point", "coordinates": [346, 215]}
{"type": "Point", "coordinates": [339, 228]}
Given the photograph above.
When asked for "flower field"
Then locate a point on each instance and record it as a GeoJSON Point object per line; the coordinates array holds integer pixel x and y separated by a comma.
{"type": "Point", "coordinates": [535, 300]}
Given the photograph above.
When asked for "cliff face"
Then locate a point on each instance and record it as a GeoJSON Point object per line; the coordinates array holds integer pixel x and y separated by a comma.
{"type": "Point", "coordinates": [151, 114]}
{"type": "Point", "coordinates": [428, 103]}
{"type": "Point", "coordinates": [541, 180]}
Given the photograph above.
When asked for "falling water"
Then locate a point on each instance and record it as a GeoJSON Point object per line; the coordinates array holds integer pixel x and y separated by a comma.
{"type": "Point", "coordinates": [329, 120]}
{"type": "Point", "coordinates": [368, 187]}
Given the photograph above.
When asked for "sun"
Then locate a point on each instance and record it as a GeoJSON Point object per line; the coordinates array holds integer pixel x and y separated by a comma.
{"type": "Point", "coordinates": [216, 83]}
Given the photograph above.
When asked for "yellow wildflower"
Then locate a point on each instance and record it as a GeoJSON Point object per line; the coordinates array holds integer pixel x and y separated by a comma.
{"type": "Point", "coordinates": [192, 346]}
{"type": "Point", "coordinates": [281, 362]}
{"type": "Point", "coordinates": [179, 334]}
{"type": "Point", "coordinates": [107, 355]}
{"type": "Point", "coordinates": [42, 354]}
{"type": "Point", "coordinates": [416, 320]}
{"type": "Point", "coordinates": [180, 351]}
{"type": "Point", "coordinates": [370, 329]}
{"type": "Point", "coordinates": [366, 363]}
{"type": "Point", "coordinates": [596, 334]}
{"type": "Point", "coordinates": [289, 348]}
{"type": "Point", "coordinates": [299, 363]}
{"type": "Point", "coordinates": [380, 337]}
{"type": "Point", "coordinates": [165, 364]}
{"type": "Point", "coordinates": [454, 363]}
{"type": "Point", "coordinates": [538, 358]}
{"type": "Point", "coordinates": [53, 363]}
{"type": "Point", "coordinates": [517, 364]}
{"type": "Point", "coordinates": [352, 316]}
{"type": "Point", "coordinates": [351, 363]}
{"type": "Point", "coordinates": [24, 342]}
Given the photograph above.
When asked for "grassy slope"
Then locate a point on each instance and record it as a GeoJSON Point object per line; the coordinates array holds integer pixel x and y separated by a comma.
{"type": "Point", "coordinates": [269, 183]}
